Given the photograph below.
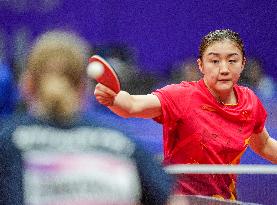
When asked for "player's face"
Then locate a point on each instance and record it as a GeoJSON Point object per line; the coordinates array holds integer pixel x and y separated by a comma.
{"type": "Point", "coordinates": [221, 63]}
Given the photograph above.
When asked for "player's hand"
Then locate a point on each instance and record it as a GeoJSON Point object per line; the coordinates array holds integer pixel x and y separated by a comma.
{"type": "Point", "coordinates": [104, 95]}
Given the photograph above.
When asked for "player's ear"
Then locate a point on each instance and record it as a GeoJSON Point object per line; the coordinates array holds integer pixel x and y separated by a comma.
{"type": "Point", "coordinates": [200, 65]}
{"type": "Point", "coordinates": [243, 63]}
{"type": "Point", "coordinates": [26, 85]}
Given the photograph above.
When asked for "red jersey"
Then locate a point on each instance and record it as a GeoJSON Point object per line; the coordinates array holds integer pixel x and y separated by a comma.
{"type": "Point", "coordinates": [197, 129]}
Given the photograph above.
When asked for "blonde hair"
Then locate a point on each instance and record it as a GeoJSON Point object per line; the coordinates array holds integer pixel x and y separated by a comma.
{"type": "Point", "coordinates": [56, 65]}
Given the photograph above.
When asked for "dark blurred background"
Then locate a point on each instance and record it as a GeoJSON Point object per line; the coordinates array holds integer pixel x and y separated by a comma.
{"type": "Point", "coordinates": [161, 32]}
{"type": "Point", "coordinates": [151, 43]}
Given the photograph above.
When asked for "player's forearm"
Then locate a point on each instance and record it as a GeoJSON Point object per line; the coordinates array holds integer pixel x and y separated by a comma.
{"type": "Point", "coordinates": [122, 104]}
{"type": "Point", "coordinates": [264, 145]}
{"type": "Point", "coordinates": [270, 150]}
{"type": "Point", "coordinates": [140, 106]}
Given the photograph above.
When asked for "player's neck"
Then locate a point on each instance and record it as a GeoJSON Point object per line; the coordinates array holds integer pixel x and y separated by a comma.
{"type": "Point", "coordinates": [225, 98]}
{"type": "Point", "coordinates": [229, 99]}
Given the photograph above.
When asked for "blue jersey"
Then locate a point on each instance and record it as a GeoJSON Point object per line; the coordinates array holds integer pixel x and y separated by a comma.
{"type": "Point", "coordinates": [81, 162]}
{"type": "Point", "coordinates": [8, 91]}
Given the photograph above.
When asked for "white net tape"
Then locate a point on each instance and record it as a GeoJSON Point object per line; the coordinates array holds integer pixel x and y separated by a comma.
{"type": "Point", "coordinates": [220, 169]}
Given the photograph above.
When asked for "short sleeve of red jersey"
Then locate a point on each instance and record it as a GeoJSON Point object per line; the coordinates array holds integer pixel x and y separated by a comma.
{"type": "Point", "coordinates": [260, 117]}
{"type": "Point", "coordinates": [174, 101]}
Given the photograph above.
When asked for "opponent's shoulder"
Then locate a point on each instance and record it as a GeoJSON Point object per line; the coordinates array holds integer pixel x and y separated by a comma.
{"type": "Point", "coordinates": [9, 124]}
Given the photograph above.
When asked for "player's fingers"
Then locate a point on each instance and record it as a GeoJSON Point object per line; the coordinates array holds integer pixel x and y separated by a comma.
{"type": "Point", "coordinates": [106, 102]}
{"type": "Point", "coordinates": [103, 94]}
{"type": "Point", "coordinates": [104, 89]}
{"type": "Point", "coordinates": [101, 98]}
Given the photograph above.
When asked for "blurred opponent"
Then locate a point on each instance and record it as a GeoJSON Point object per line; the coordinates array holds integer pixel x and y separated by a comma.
{"type": "Point", "coordinates": [52, 155]}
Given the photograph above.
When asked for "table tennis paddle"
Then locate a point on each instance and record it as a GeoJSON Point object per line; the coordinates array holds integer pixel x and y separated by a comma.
{"type": "Point", "coordinates": [103, 73]}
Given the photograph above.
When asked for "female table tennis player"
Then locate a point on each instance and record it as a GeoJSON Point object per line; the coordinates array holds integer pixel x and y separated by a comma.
{"type": "Point", "coordinates": [211, 121]}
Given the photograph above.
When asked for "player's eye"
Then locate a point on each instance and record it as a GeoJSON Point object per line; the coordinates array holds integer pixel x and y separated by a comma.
{"type": "Point", "coordinates": [215, 61]}
{"type": "Point", "coordinates": [232, 61]}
